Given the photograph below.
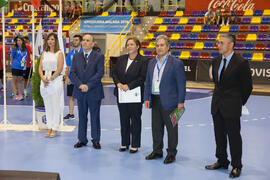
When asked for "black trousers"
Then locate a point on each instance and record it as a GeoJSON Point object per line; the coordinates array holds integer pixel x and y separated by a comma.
{"type": "Point", "coordinates": [228, 127]}
{"type": "Point", "coordinates": [160, 117]}
{"type": "Point", "coordinates": [130, 121]}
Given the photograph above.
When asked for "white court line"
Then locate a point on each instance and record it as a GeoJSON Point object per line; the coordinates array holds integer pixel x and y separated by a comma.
{"type": "Point", "coordinates": [263, 118]}
{"type": "Point", "coordinates": [147, 128]}
{"type": "Point", "coordinates": [116, 129]}
{"type": "Point", "coordinates": [245, 120]}
{"type": "Point", "coordinates": [255, 119]}
{"type": "Point", "coordinates": [189, 125]}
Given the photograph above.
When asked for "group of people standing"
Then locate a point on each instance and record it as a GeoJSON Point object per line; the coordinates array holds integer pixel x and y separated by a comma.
{"type": "Point", "coordinates": [162, 85]}
{"type": "Point", "coordinates": [222, 15]}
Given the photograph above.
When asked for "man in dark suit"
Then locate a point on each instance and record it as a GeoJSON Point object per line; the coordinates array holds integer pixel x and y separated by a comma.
{"type": "Point", "coordinates": [233, 86]}
{"type": "Point", "coordinates": [165, 91]}
{"type": "Point", "coordinates": [86, 73]}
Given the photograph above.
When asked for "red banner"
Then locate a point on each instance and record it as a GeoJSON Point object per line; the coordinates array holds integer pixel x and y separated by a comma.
{"type": "Point", "coordinates": [235, 5]}
{"type": "Point", "coordinates": [35, 3]}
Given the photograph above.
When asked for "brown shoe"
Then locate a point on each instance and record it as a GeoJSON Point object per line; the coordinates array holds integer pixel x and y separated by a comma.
{"type": "Point", "coordinates": [48, 133]}
{"type": "Point", "coordinates": [53, 134]}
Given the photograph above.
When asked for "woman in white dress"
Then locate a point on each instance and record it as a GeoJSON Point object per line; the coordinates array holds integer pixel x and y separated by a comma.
{"type": "Point", "coordinates": [51, 87]}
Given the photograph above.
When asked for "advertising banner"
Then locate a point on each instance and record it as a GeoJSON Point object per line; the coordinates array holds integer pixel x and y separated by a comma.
{"type": "Point", "coordinates": [105, 24]}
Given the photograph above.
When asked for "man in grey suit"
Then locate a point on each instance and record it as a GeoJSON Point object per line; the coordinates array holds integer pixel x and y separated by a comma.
{"type": "Point", "coordinates": [165, 91]}
{"type": "Point", "coordinates": [86, 72]}
{"type": "Point", "coordinates": [233, 86]}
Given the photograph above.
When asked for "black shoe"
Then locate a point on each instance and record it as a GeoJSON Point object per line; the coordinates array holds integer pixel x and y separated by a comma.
{"type": "Point", "coordinates": [69, 116]}
{"type": "Point", "coordinates": [169, 159]}
{"type": "Point", "coordinates": [235, 173]}
{"type": "Point", "coordinates": [96, 145]}
{"type": "Point", "coordinates": [122, 149]}
{"type": "Point", "coordinates": [216, 165]}
{"type": "Point", "coordinates": [153, 156]}
{"type": "Point", "coordinates": [133, 150]}
{"type": "Point", "coordinates": [79, 144]}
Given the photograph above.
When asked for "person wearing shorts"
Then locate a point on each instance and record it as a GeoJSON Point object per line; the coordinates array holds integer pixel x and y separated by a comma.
{"type": "Point", "coordinates": [18, 59]}
{"type": "Point", "coordinates": [28, 72]}
{"type": "Point", "coordinates": [77, 39]}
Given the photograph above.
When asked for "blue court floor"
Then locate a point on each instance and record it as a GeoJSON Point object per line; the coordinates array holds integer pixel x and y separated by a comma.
{"type": "Point", "coordinates": [31, 151]}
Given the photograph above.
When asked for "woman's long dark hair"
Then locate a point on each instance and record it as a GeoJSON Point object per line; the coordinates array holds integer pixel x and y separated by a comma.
{"type": "Point", "coordinates": [56, 46]}
{"type": "Point", "coordinates": [23, 43]}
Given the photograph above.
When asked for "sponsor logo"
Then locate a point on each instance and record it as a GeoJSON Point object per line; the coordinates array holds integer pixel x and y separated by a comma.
{"type": "Point", "coordinates": [234, 5]}
{"type": "Point", "coordinates": [187, 68]}
{"type": "Point", "coordinates": [260, 72]}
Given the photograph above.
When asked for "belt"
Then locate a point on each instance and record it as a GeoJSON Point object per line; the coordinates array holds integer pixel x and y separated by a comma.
{"type": "Point", "coordinates": [52, 72]}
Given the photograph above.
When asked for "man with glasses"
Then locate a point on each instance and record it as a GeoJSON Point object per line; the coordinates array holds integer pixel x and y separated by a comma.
{"type": "Point", "coordinates": [233, 86]}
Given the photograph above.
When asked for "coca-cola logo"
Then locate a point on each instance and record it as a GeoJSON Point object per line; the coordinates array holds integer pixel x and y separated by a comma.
{"type": "Point", "coordinates": [234, 5]}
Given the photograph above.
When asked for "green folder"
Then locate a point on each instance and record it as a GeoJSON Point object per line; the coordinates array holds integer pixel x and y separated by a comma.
{"type": "Point", "coordinates": [176, 115]}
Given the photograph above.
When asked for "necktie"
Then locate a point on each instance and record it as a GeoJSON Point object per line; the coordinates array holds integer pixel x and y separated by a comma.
{"type": "Point", "coordinates": [86, 60]}
{"type": "Point", "coordinates": [223, 68]}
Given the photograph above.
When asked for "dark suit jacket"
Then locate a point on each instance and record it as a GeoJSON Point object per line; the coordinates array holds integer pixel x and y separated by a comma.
{"type": "Point", "coordinates": [135, 74]}
{"type": "Point", "coordinates": [91, 75]}
{"type": "Point", "coordinates": [172, 84]}
{"type": "Point", "coordinates": [234, 88]}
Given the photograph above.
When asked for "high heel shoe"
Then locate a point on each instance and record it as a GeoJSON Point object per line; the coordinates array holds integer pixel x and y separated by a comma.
{"type": "Point", "coordinates": [48, 133]}
{"type": "Point", "coordinates": [133, 150]}
{"type": "Point", "coordinates": [123, 148]}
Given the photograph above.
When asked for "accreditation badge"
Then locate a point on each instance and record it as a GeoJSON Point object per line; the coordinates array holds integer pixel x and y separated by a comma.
{"type": "Point", "coordinates": [156, 86]}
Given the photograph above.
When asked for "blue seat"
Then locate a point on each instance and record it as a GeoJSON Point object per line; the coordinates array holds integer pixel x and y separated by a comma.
{"type": "Point", "coordinates": [213, 55]}
{"type": "Point", "coordinates": [176, 54]}
{"type": "Point", "coordinates": [155, 36]}
{"type": "Point", "coordinates": [193, 36]}
{"type": "Point", "coordinates": [166, 21]}
{"type": "Point", "coordinates": [247, 56]}
{"type": "Point", "coordinates": [137, 21]}
{"type": "Point", "coordinates": [249, 46]}
{"type": "Point", "coordinates": [203, 13]}
{"type": "Point", "coordinates": [179, 28]}
{"type": "Point", "coordinates": [257, 13]}
{"type": "Point", "coordinates": [234, 28]}
{"type": "Point", "coordinates": [208, 45]}
{"type": "Point", "coordinates": [265, 20]}
{"type": "Point", "coordinates": [173, 45]}
{"type": "Point", "coordinates": [112, 13]}
{"type": "Point", "coordinates": [206, 28]}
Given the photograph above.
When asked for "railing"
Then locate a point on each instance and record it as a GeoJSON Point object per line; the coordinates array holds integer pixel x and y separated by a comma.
{"type": "Point", "coordinates": [78, 26]}
{"type": "Point", "coordinates": [118, 39]}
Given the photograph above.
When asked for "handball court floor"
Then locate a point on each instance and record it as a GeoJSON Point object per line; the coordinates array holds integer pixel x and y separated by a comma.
{"type": "Point", "coordinates": [31, 151]}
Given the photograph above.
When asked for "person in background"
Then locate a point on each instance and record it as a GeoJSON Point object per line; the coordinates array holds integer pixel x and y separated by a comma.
{"type": "Point", "coordinates": [96, 48]}
{"type": "Point", "coordinates": [1, 62]}
{"type": "Point", "coordinates": [77, 39]}
{"type": "Point", "coordinates": [28, 72]}
{"type": "Point", "coordinates": [51, 86]}
{"type": "Point", "coordinates": [77, 11]}
{"type": "Point", "coordinates": [129, 73]}
{"type": "Point", "coordinates": [69, 11]}
{"type": "Point", "coordinates": [218, 15]}
{"type": "Point", "coordinates": [18, 59]}
{"type": "Point", "coordinates": [233, 86]}
{"type": "Point", "coordinates": [165, 90]}
{"type": "Point", "coordinates": [209, 17]}
{"type": "Point", "coordinates": [226, 15]}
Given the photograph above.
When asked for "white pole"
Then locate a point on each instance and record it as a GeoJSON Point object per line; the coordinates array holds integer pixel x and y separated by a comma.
{"type": "Point", "coordinates": [4, 67]}
{"type": "Point", "coordinates": [33, 59]}
{"type": "Point", "coordinates": [60, 21]}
